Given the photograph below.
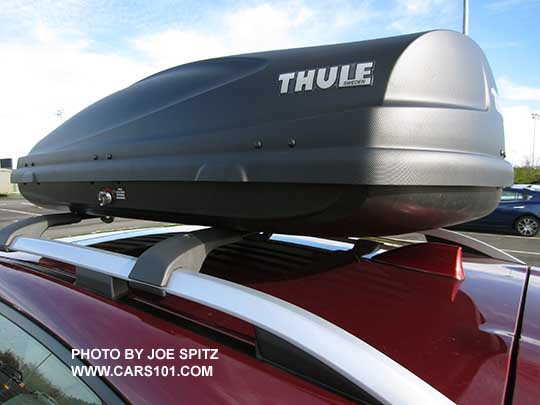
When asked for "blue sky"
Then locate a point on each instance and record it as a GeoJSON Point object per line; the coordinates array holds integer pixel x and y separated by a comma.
{"type": "Point", "coordinates": [66, 55]}
{"type": "Point", "coordinates": [509, 33]}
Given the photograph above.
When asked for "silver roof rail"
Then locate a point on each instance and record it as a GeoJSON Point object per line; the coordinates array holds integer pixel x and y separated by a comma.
{"type": "Point", "coordinates": [472, 243]}
{"type": "Point", "coordinates": [367, 368]}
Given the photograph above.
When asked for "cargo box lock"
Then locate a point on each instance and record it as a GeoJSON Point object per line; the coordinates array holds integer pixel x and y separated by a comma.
{"type": "Point", "coordinates": [105, 197]}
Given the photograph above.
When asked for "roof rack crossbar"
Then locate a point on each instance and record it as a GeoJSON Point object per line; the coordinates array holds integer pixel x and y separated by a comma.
{"type": "Point", "coordinates": [186, 252]}
{"type": "Point", "coordinates": [366, 367]}
{"type": "Point", "coordinates": [471, 243]}
{"type": "Point", "coordinates": [447, 236]}
{"type": "Point", "coordinates": [36, 226]}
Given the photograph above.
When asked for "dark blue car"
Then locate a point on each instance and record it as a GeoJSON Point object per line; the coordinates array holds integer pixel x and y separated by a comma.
{"type": "Point", "coordinates": [518, 211]}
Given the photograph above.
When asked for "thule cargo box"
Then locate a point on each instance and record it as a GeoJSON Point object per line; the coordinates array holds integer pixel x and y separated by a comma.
{"type": "Point", "coordinates": [376, 137]}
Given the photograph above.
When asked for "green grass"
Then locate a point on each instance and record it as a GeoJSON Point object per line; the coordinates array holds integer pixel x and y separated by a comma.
{"type": "Point", "coordinates": [526, 175]}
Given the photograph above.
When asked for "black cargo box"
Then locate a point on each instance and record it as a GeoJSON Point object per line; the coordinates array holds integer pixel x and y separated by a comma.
{"type": "Point", "coordinates": [375, 137]}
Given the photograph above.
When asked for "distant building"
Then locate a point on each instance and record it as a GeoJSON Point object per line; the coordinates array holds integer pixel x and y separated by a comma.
{"type": "Point", "coordinates": [5, 184]}
{"type": "Point", "coordinates": [6, 163]}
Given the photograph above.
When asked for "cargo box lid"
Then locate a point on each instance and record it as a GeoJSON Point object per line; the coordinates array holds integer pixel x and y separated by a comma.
{"type": "Point", "coordinates": [416, 109]}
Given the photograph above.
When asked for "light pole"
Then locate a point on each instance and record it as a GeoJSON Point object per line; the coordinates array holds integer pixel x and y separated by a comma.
{"type": "Point", "coordinates": [535, 117]}
{"type": "Point", "coordinates": [466, 17]}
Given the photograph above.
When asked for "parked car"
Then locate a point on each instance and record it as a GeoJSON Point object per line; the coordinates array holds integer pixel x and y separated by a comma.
{"type": "Point", "coordinates": [533, 187]}
{"type": "Point", "coordinates": [518, 212]}
{"type": "Point", "coordinates": [289, 319]}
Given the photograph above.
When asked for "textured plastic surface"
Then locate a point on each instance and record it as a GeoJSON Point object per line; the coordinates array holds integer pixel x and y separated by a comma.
{"type": "Point", "coordinates": [418, 134]}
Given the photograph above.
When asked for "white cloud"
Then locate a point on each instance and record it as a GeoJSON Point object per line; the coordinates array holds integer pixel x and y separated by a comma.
{"type": "Point", "coordinates": [43, 33]}
{"type": "Point", "coordinates": [420, 15]}
{"type": "Point", "coordinates": [262, 27]}
{"type": "Point", "coordinates": [512, 91]}
{"type": "Point", "coordinates": [518, 123]}
{"type": "Point", "coordinates": [174, 47]}
{"type": "Point", "coordinates": [519, 127]}
{"type": "Point", "coordinates": [39, 78]}
{"type": "Point", "coordinates": [272, 25]}
{"type": "Point", "coordinates": [258, 28]}
{"type": "Point", "coordinates": [419, 7]}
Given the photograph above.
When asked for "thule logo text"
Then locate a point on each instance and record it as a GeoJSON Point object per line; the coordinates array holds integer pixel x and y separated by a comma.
{"type": "Point", "coordinates": [351, 75]}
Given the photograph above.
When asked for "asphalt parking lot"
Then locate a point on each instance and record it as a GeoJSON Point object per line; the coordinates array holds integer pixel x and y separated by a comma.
{"type": "Point", "coordinates": [14, 208]}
